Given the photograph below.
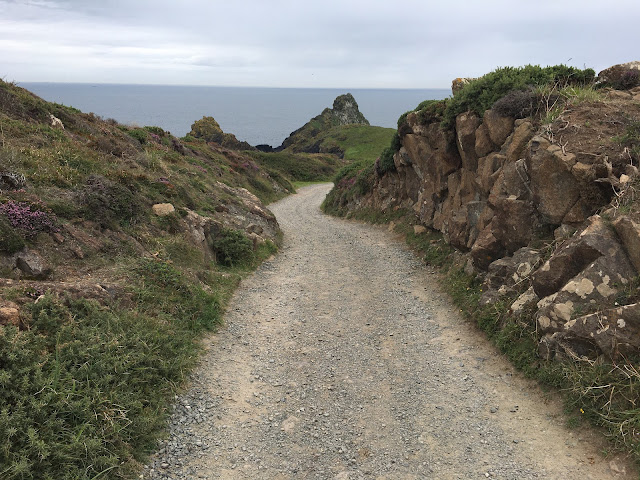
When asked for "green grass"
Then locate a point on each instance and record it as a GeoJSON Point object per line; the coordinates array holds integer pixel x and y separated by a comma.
{"type": "Point", "coordinates": [298, 166]}
{"type": "Point", "coordinates": [359, 142]}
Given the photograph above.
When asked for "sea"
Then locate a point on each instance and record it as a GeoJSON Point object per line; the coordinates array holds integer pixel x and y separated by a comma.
{"type": "Point", "coordinates": [255, 115]}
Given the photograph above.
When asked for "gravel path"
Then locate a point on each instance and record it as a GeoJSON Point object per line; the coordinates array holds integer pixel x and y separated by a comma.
{"type": "Point", "coordinates": [341, 359]}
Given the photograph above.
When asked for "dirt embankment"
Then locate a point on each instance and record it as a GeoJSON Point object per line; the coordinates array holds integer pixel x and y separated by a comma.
{"type": "Point", "coordinates": [341, 359]}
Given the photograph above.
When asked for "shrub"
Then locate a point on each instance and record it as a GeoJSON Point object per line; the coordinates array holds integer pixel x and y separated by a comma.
{"type": "Point", "coordinates": [10, 240]}
{"type": "Point", "coordinates": [232, 247]}
{"type": "Point", "coordinates": [164, 292]}
{"type": "Point", "coordinates": [84, 391]}
{"type": "Point", "coordinates": [480, 94]}
{"type": "Point", "coordinates": [620, 78]}
{"type": "Point", "coordinates": [139, 134]}
{"type": "Point", "coordinates": [517, 104]}
{"type": "Point", "coordinates": [29, 218]}
{"type": "Point", "coordinates": [155, 130]}
{"type": "Point", "coordinates": [385, 163]}
{"type": "Point", "coordinates": [108, 203]}
{"type": "Point", "coordinates": [431, 111]}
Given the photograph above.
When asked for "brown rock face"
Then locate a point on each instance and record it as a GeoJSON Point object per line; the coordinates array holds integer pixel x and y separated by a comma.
{"type": "Point", "coordinates": [466, 126]}
{"type": "Point", "coordinates": [484, 145]}
{"type": "Point", "coordinates": [573, 256]}
{"type": "Point", "coordinates": [499, 127]}
{"type": "Point", "coordinates": [614, 332]}
{"type": "Point", "coordinates": [555, 189]}
{"type": "Point", "coordinates": [629, 233]}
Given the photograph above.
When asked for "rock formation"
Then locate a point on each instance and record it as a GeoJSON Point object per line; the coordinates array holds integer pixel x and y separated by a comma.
{"type": "Point", "coordinates": [498, 188]}
{"type": "Point", "coordinates": [208, 129]}
{"type": "Point", "coordinates": [306, 139]}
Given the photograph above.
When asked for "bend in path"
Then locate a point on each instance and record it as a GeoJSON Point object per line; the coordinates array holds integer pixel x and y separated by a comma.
{"type": "Point", "coordinates": [341, 359]}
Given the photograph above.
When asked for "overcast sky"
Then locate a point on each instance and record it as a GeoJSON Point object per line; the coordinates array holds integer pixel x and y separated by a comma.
{"type": "Point", "coordinates": [307, 43]}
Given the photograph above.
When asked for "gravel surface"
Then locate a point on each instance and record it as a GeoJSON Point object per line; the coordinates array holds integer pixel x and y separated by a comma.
{"type": "Point", "coordinates": [341, 359]}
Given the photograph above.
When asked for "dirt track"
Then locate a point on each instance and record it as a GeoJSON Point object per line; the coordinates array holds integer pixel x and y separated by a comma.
{"type": "Point", "coordinates": [341, 359]}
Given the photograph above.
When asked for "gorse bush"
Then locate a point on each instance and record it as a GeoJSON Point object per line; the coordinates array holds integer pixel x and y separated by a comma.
{"type": "Point", "coordinates": [10, 240]}
{"type": "Point", "coordinates": [164, 292]}
{"type": "Point", "coordinates": [480, 94]}
{"type": "Point", "coordinates": [85, 385]}
{"type": "Point", "coordinates": [232, 247]}
{"type": "Point", "coordinates": [108, 203]}
{"type": "Point", "coordinates": [385, 163]}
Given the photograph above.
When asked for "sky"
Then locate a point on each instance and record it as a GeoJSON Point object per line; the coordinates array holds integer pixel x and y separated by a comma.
{"type": "Point", "coordinates": [307, 43]}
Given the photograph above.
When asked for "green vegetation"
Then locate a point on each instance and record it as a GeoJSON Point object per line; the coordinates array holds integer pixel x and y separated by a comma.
{"type": "Point", "coordinates": [232, 248]}
{"type": "Point", "coordinates": [480, 94]}
{"type": "Point", "coordinates": [292, 167]}
{"type": "Point", "coordinates": [87, 379]}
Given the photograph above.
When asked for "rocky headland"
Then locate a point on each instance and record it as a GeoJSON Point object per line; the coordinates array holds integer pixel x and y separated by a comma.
{"type": "Point", "coordinates": [311, 137]}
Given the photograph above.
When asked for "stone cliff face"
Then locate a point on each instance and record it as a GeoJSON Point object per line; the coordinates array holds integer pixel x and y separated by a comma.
{"type": "Point", "coordinates": [498, 188]}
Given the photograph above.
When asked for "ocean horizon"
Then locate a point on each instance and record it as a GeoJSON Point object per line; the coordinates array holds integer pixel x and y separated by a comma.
{"type": "Point", "coordinates": [257, 115]}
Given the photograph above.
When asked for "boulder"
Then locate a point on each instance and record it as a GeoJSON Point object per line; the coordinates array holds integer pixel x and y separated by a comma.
{"type": "Point", "coordinates": [613, 332]}
{"type": "Point", "coordinates": [499, 127]}
{"type": "Point", "coordinates": [458, 84]}
{"type": "Point", "coordinates": [507, 273]}
{"type": "Point", "coordinates": [55, 122]}
{"type": "Point", "coordinates": [622, 76]}
{"type": "Point", "coordinates": [573, 256]}
{"type": "Point", "coordinates": [596, 284]}
{"type": "Point", "coordinates": [524, 302]}
{"type": "Point", "coordinates": [629, 233]}
{"type": "Point", "coordinates": [419, 229]}
{"type": "Point", "coordinates": [163, 209]}
{"type": "Point", "coordinates": [466, 125]}
{"type": "Point", "coordinates": [555, 190]}
{"type": "Point", "coordinates": [32, 265]}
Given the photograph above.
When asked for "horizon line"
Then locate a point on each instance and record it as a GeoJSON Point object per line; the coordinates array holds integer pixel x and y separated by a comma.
{"type": "Point", "coordinates": [229, 86]}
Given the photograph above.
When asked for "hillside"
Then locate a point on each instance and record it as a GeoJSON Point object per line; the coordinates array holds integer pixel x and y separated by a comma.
{"type": "Point", "coordinates": [119, 247]}
{"type": "Point", "coordinates": [524, 187]}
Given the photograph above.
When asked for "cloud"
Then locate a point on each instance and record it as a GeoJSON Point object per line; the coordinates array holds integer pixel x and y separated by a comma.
{"type": "Point", "coordinates": [330, 43]}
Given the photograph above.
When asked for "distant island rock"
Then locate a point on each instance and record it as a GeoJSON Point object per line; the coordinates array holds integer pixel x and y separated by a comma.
{"type": "Point", "coordinates": [306, 139]}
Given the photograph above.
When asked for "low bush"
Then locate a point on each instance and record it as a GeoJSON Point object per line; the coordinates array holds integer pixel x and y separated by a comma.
{"type": "Point", "coordinates": [108, 203]}
{"type": "Point", "coordinates": [10, 240]}
{"type": "Point", "coordinates": [517, 104]}
{"type": "Point", "coordinates": [480, 94]}
{"type": "Point", "coordinates": [232, 247]}
{"type": "Point", "coordinates": [385, 163]}
{"type": "Point", "coordinates": [89, 390]}
{"type": "Point", "coordinates": [30, 218]}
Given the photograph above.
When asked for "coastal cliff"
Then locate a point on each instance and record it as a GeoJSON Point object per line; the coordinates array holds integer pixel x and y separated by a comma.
{"type": "Point", "coordinates": [537, 192]}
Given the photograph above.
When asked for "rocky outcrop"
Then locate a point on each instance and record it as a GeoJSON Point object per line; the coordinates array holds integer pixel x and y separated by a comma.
{"type": "Point", "coordinates": [307, 139]}
{"type": "Point", "coordinates": [623, 76]}
{"type": "Point", "coordinates": [496, 187]}
{"type": "Point", "coordinates": [208, 129]}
